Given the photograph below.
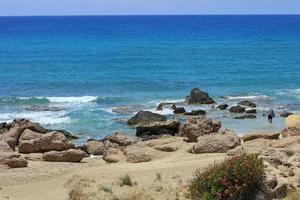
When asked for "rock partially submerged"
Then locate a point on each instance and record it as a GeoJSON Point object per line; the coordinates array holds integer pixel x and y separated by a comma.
{"type": "Point", "coordinates": [198, 126]}
{"type": "Point", "coordinates": [44, 108]}
{"type": "Point", "coordinates": [196, 112]}
{"type": "Point", "coordinates": [246, 116]}
{"type": "Point", "coordinates": [237, 109]}
{"type": "Point", "coordinates": [285, 114]}
{"type": "Point", "coordinates": [179, 110]}
{"type": "Point", "coordinates": [247, 104]}
{"type": "Point", "coordinates": [199, 97]}
{"type": "Point", "coordinates": [222, 106]}
{"type": "Point", "coordinates": [146, 117]}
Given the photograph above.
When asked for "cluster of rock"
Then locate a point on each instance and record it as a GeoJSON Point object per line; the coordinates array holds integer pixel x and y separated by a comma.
{"type": "Point", "coordinates": [281, 157]}
{"type": "Point", "coordinates": [25, 137]}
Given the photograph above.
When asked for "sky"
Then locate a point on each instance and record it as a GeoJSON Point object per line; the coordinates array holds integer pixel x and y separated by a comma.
{"type": "Point", "coordinates": [146, 7]}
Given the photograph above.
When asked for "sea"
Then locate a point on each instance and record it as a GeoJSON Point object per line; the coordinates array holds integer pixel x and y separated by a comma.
{"type": "Point", "coordinates": [88, 74]}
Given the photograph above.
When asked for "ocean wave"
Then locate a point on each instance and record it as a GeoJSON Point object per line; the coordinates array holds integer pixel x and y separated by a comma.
{"type": "Point", "coordinates": [290, 93]}
{"type": "Point", "coordinates": [157, 102]}
{"type": "Point", "coordinates": [45, 100]}
{"type": "Point", "coordinates": [45, 118]}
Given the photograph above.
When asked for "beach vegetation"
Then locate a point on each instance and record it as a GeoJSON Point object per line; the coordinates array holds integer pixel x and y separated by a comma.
{"type": "Point", "coordinates": [239, 177]}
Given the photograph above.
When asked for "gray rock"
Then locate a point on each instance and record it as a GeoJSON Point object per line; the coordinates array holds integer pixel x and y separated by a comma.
{"type": "Point", "coordinates": [158, 128]}
{"type": "Point", "coordinates": [146, 117]}
{"type": "Point", "coordinates": [237, 109]}
{"type": "Point", "coordinates": [247, 104]}
{"type": "Point", "coordinates": [199, 97]}
{"type": "Point", "coordinates": [179, 110]}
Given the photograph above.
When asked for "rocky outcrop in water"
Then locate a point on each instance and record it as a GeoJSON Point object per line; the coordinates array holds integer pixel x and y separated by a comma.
{"type": "Point", "coordinates": [222, 107]}
{"type": "Point", "coordinates": [237, 109]}
{"type": "Point", "coordinates": [179, 110]}
{"type": "Point", "coordinates": [146, 117]}
{"type": "Point", "coordinates": [199, 97]}
{"type": "Point", "coordinates": [196, 112]}
{"type": "Point", "coordinates": [247, 103]}
{"type": "Point", "coordinates": [285, 114]}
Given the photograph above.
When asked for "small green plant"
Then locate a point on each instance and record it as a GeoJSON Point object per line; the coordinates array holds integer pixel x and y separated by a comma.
{"type": "Point", "coordinates": [106, 189]}
{"type": "Point", "coordinates": [125, 180]}
{"type": "Point", "coordinates": [236, 178]}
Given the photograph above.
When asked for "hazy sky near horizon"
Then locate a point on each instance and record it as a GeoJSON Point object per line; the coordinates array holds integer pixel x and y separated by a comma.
{"type": "Point", "coordinates": [136, 7]}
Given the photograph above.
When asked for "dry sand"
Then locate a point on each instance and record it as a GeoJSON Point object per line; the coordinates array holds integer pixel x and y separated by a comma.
{"type": "Point", "coordinates": [164, 178]}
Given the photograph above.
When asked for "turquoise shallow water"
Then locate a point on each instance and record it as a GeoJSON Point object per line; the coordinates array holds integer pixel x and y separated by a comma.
{"type": "Point", "coordinates": [87, 66]}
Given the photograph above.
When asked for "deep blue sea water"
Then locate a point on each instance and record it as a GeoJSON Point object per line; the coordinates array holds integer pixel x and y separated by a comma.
{"type": "Point", "coordinates": [90, 65]}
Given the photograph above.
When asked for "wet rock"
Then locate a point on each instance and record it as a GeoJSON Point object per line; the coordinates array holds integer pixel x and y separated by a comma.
{"type": "Point", "coordinates": [146, 117]}
{"type": "Point", "coordinates": [44, 108]}
{"type": "Point", "coordinates": [254, 136]}
{"type": "Point", "coordinates": [196, 112]}
{"type": "Point", "coordinates": [94, 147]}
{"type": "Point", "coordinates": [246, 116]}
{"type": "Point", "coordinates": [199, 97]}
{"type": "Point", "coordinates": [237, 109]}
{"type": "Point", "coordinates": [53, 141]}
{"type": "Point", "coordinates": [179, 110]}
{"type": "Point", "coordinates": [71, 155]}
{"type": "Point", "coordinates": [216, 143]}
{"type": "Point", "coordinates": [198, 126]}
{"type": "Point", "coordinates": [247, 104]}
{"type": "Point", "coordinates": [285, 114]}
{"type": "Point", "coordinates": [158, 128]}
{"type": "Point", "coordinates": [161, 105]}
{"type": "Point", "coordinates": [290, 131]}
{"type": "Point", "coordinates": [222, 106]}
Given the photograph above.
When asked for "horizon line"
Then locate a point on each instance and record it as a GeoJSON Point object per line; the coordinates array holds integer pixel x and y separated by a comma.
{"type": "Point", "coordinates": [119, 15]}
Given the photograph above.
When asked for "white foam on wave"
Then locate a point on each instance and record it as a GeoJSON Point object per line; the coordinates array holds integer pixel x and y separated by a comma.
{"type": "Point", "coordinates": [165, 111]}
{"type": "Point", "coordinates": [157, 102]}
{"type": "Point", "coordinates": [45, 118]}
{"type": "Point", "coordinates": [82, 99]}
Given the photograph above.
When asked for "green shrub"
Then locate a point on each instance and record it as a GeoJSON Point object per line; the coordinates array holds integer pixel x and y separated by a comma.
{"type": "Point", "coordinates": [239, 177]}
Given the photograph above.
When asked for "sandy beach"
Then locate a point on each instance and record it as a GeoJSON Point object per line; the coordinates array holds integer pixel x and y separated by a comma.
{"type": "Point", "coordinates": [48, 181]}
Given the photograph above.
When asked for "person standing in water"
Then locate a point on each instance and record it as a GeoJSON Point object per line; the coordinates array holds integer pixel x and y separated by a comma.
{"type": "Point", "coordinates": [270, 115]}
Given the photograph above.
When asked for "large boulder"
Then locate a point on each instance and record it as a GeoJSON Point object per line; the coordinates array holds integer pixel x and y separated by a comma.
{"type": "Point", "coordinates": [140, 153]}
{"type": "Point", "coordinates": [29, 135]}
{"type": "Point", "coordinates": [216, 143]}
{"type": "Point", "coordinates": [290, 131]}
{"type": "Point", "coordinates": [237, 109]}
{"type": "Point", "coordinates": [247, 104]}
{"type": "Point", "coordinates": [119, 139]}
{"type": "Point", "coordinates": [198, 126]}
{"type": "Point", "coordinates": [250, 147]}
{"type": "Point", "coordinates": [158, 128]}
{"type": "Point", "coordinates": [198, 97]}
{"type": "Point", "coordinates": [4, 147]}
{"type": "Point", "coordinates": [113, 155]}
{"type": "Point", "coordinates": [167, 143]}
{"type": "Point", "coordinates": [27, 124]}
{"type": "Point", "coordinates": [254, 136]}
{"type": "Point", "coordinates": [71, 155]}
{"type": "Point", "coordinates": [53, 141]}
{"type": "Point", "coordinates": [94, 147]}
{"type": "Point", "coordinates": [146, 117]}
